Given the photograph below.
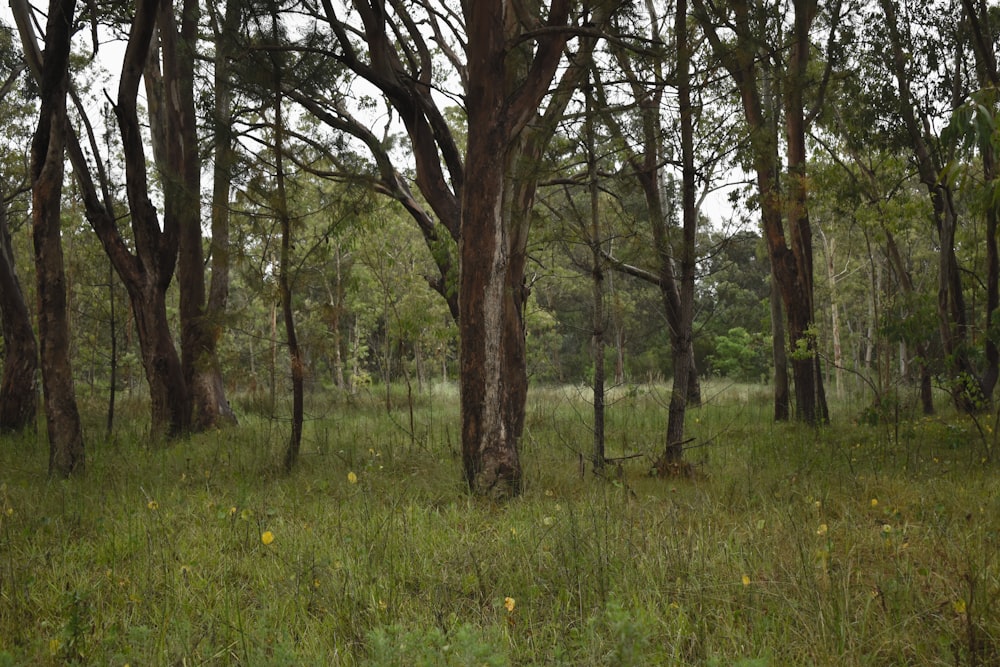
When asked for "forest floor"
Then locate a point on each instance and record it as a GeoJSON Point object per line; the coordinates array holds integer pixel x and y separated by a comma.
{"type": "Point", "coordinates": [854, 544]}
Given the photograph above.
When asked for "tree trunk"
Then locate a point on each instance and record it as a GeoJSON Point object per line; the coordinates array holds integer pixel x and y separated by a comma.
{"type": "Point", "coordinates": [285, 293]}
{"type": "Point", "coordinates": [225, 160]}
{"type": "Point", "coordinates": [506, 86]}
{"type": "Point", "coordinates": [66, 448]}
{"type": "Point", "coordinates": [797, 283]}
{"type": "Point", "coordinates": [988, 77]}
{"type": "Point", "coordinates": [156, 250]}
{"type": "Point", "coordinates": [147, 274]}
{"type": "Point", "coordinates": [791, 256]}
{"type": "Point", "coordinates": [169, 403]}
{"type": "Point", "coordinates": [829, 246]}
{"type": "Point", "coordinates": [779, 354]}
{"type": "Point", "coordinates": [493, 379]}
{"type": "Point", "coordinates": [681, 333]}
{"type": "Point", "coordinates": [181, 167]}
{"type": "Point", "coordinates": [966, 391]}
{"type": "Point", "coordinates": [18, 390]}
{"type": "Point", "coordinates": [593, 236]}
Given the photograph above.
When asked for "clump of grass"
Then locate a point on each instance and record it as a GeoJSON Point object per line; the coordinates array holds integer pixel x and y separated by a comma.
{"type": "Point", "coordinates": [847, 545]}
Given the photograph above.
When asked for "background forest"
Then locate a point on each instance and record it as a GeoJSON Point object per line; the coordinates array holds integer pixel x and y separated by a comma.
{"type": "Point", "coordinates": [705, 290]}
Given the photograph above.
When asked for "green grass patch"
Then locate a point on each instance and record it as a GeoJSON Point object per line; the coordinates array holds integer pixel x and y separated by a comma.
{"type": "Point", "coordinates": [847, 545]}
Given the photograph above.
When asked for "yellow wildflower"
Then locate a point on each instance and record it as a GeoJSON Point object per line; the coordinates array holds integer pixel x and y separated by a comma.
{"type": "Point", "coordinates": [267, 537]}
{"type": "Point", "coordinates": [822, 529]}
{"type": "Point", "coordinates": [153, 505]}
{"type": "Point", "coordinates": [509, 603]}
{"type": "Point", "coordinates": [874, 502]}
{"type": "Point", "coordinates": [352, 478]}
{"type": "Point", "coordinates": [746, 579]}
{"type": "Point", "coordinates": [958, 606]}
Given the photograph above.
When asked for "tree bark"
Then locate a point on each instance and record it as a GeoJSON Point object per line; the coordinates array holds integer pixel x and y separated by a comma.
{"type": "Point", "coordinates": [66, 448]}
{"type": "Point", "coordinates": [791, 255]}
{"type": "Point", "coordinates": [682, 332]}
{"type": "Point", "coordinates": [181, 167]}
{"type": "Point", "coordinates": [225, 162]}
{"type": "Point", "coordinates": [779, 353]}
{"type": "Point", "coordinates": [156, 250]}
{"type": "Point", "coordinates": [18, 389]}
{"type": "Point", "coordinates": [146, 274]}
{"type": "Point", "coordinates": [797, 285]}
{"type": "Point", "coordinates": [504, 93]}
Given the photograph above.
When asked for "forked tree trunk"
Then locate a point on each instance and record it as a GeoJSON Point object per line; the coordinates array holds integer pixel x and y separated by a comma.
{"type": "Point", "coordinates": [797, 284]}
{"type": "Point", "coordinates": [18, 389]}
{"type": "Point", "coordinates": [791, 254]}
{"type": "Point", "coordinates": [66, 449]}
{"type": "Point", "coordinates": [182, 204]}
{"type": "Point", "coordinates": [147, 274]}
{"type": "Point", "coordinates": [147, 278]}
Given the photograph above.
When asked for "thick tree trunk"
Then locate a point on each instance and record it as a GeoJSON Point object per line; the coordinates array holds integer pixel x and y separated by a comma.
{"type": "Point", "coordinates": [66, 449]}
{"type": "Point", "coordinates": [506, 85]}
{"type": "Point", "coordinates": [169, 403]}
{"type": "Point", "coordinates": [18, 389]}
{"type": "Point", "coordinates": [147, 279]}
{"type": "Point", "coordinates": [493, 378]}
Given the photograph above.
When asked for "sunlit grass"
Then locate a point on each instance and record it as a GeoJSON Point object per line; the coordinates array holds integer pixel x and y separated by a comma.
{"type": "Point", "coordinates": [847, 545]}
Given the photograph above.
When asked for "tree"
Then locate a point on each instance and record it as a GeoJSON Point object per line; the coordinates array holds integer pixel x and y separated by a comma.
{"type": "Point", "coordinates": [181, 165]}
{"type": "Point", "coordinates": [649, 159]}
{"type": "Point", "coordinates": [66, 448]}
{"type": "Point", "coordinates": [512, 53]}
{"type": "Point", "coordinates": [18, 390]}
{"type": "Point", "coordinates": [952, 313]}
{"type": "Point", "coordinates": [789, 247]}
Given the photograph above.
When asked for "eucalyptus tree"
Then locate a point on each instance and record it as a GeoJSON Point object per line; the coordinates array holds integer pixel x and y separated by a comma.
{"type": "Point", "coordinates": [971, 132]}
{"type": "Point", "coordinates": [18, 391]}
{"type": "Point", "coordinates": [145, 257]}
{"type": "Point", "coordinates": [929, 48]}
{"type": "Point", "coordinates": [174, 125]}
{"type": "Point", "coordinates": [497, 59]}
{"type": "Point", "coordinates": [648, 77]}
{"type": "Point", "coordinates": [65, 434]}
{"type": "Point", "coordinates": [763, 44]}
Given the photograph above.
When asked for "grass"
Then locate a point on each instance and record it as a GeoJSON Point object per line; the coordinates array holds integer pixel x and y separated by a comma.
{"type": "Point", "coordinates": [848, 545]}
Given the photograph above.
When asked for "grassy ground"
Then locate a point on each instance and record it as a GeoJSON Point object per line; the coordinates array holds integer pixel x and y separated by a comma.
{"type": "Point", "coordinates": [848, 545]}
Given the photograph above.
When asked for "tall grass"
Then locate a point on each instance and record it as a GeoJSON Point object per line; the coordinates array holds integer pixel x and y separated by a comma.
{"type": "Point", "coordinates": [847, 545]}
